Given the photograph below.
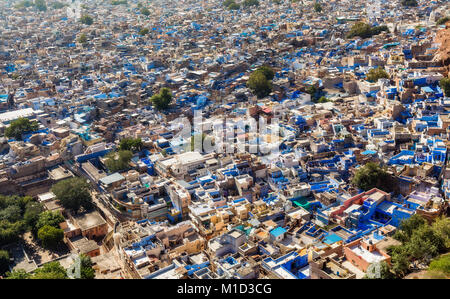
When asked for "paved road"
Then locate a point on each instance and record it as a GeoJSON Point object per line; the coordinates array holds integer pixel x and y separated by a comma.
{"type": "Point", "coordinates": [112, 219]}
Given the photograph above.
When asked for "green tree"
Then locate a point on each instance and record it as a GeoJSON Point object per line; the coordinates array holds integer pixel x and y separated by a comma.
{"type": "Point", "coordinates": [420, 241]}
{"type": "Point", "coordinates": [4, 261]}
{"type": "Point", "coordinates": [445, 85]}
{"type": "Point", "coordinates": [227, 3]}
{"type": "Point", "coordinates": [425, 244]}
{"type": "Point", "coordinates": [73, 194]}
{"type": "Point", "coordinates": [15, 76]}
{"type": "Point", "coordinates": [82, 39]}
{"type": "Point", "coordinates": [87, 272]}
{"type": "Point", "coordinates": [443, 20]}
{"type": "Point", "coordinates": [143, 31]}
{"type": "Point", "coordinates": [378, 29]}
{"type": "Point", "coordinates": [259, 84]}
{"type": "Point", "coordinates": [117, 161]}
{"type": "Point", "coordinates": [441, 226]}
{"type": "Point", "coordinates": [23, 4]}
{"type": "Point", "coordinates": [14, 217]}
{"type": "Point", "coordinates": [249, 3]}
{"type": "Point", "coordinates": [267, 71]}
{"type": "Point", "coordinates": [234, 6]}
{"type": "Point", "coordinates": [50, 236]}
{"type": "Point", "coordinates": [11, 231]}
{"type": "Point", "coordinates": [399, 260]}
{"type": "Point", "coordinates": [58, 5]}
{"type": "Point", "coordinates": [49, 218]}
{"type": "Point", "coordinates": [18, 274]}
{"type": "Point", "coordinates": [131, 144]}
{"type": "Point", "coordinates": [441, 264]}
{"type": "Point", "coordinates": [21, 202]}
{"type": "Point", "coordinates": [376, 73]}
{"type": "Point", "coordinates": [52, 270]}
{"type": "Point", "coordinates": [119, 2]}
{"type": "Point", "coordinates": [145, 11]}
{"type": "Point", "coordinates": [161, 101]}
{"type": "Point", "coordinates": [19, 127]}
{"type": "Point", "coordinates": [409, 3]}
{"type": "Point", "coordinates": [87, 20]}
{"type": "Point", "coordinates": [322, 100]}
{"type": "Point", "coordinates": [408, 226]}
{"type": "Point", "coordinates": [40, 5]}
{"type": "Point", "coordinates": [11, 213]}
{"type": "Point", "coordinates": [32, 212]}
{"type": "Point", "coordinates": [371, 176]}
{"type": "Point", "coordinates": [317, 7]}
{"type": "Point", "coordinates": [11, 223]}
{"type": "Point", "coordinates": [314, 92]}
{"type": "Point", "coordinates": [231, 5]}
{"type": "Point", "coordinates": [364, 30]}
{"type": "Point", "coordinates": [360, 29]}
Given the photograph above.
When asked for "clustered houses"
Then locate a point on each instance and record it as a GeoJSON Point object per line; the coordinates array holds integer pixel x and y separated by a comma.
{"type": "Point", "coordinates": [276, 201]}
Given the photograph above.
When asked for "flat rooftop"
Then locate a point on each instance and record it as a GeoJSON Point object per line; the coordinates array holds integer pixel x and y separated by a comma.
{"type": "Point", "coordinates": [369, 256]}
{"type": "Point", "coordinates": [46, 196]}
{"type": "Point", "coordinates": [89, 220]}
{"type": "Point", "coordinates": [60, 173]}
{"type": "Point", "coordinates": [12, 115]}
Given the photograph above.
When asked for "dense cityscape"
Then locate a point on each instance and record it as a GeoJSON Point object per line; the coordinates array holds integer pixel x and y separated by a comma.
{"type": "Point", "coordinates": [236, 139]}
